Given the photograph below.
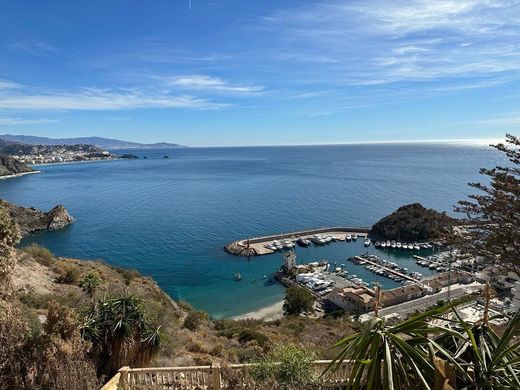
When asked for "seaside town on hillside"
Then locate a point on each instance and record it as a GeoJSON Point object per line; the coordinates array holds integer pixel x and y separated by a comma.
{"type": "Point", "coordinates": [49, 154]}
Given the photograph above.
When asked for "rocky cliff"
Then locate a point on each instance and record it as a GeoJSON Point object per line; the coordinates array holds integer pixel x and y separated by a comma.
{"type": "Point", "coordinates": [32, 220]}
{"type": "Point", "coordinates": [11, 166]}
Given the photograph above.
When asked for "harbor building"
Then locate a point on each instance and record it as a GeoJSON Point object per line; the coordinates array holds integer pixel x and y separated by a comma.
{"type": "Point", "coordinates": [289, 261]}
{"type": "Point", "coordinates": [362, 299]}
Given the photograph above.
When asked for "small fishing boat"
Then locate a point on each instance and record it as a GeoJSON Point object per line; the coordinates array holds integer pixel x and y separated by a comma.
{"type": "Point", "coordinates": [383, 245]}
{"type": "Point", "coordinates": [354, 237]}
{"type": "Point", "coordinates": [237, 276]}
{"type": "Point", "coordinates": [349, 237]}
{"type": "Point", "coordinates": [399, 245]}
{"type": "Point", "coordinates": [367, 242]}
{"type": "Point", "coordinates": [377, 244]}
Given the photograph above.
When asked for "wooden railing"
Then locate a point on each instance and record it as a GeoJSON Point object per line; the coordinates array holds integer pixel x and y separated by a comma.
{"type": "Point", "coordinates": [214, 377]}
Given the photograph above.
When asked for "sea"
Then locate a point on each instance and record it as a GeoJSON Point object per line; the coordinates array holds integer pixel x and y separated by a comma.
{"type": "Point", "coordinates": [169, 218]}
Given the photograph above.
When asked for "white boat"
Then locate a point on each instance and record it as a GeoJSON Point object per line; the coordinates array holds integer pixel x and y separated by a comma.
{"type": "Point", "coordinates": [394, 245]}
{"type": "Point", "coordinates": [354, 237]}
{"type": "Point", "coordinates": [367, 242]}
{"type": "Point", "coordinates": [318, 240]}
{"type": "Point", "coordinates": [377, 244]}
{"type": "Point", "coordinates": [433, 266]}
{"type": "Point", "coordinates": [416, 247]}
{"type": "Point", "coordinates": [399, 245]}
{"type": "Point", "coordinates": [288, 244]}
{"type": "Point", "coordinates": [349, 237]}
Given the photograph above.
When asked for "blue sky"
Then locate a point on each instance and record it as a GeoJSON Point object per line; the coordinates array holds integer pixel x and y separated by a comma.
{"type": "Point", "coordinates": [260, 72]}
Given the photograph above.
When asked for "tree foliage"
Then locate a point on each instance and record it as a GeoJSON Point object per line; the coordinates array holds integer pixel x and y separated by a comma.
{"type": "Point", "coordinates": [298, 300]}
{"type": "Point", "coordinates": [494, 211]}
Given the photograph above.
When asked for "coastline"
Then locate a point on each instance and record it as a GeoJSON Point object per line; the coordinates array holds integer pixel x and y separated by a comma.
{"type": "Point", "coordinates": [18, 175]}
{"type": "Point", "coordinates": [74, 162]}
{"type": "Point", "coordinates": [267, 313]}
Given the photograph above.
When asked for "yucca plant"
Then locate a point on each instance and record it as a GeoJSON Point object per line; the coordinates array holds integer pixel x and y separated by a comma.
{"type": "Point", "coordinates": [485, 359]}
{"type": "Point", "coordinates": [121, 333]}
{"type": "Point", "coordinates": [392, 357]}
{"type": "Point", "coordinates": [407, 355]}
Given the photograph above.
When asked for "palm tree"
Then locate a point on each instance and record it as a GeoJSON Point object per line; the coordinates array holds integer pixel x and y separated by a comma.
{"type": "Point", "coordinates": [89, 284]}
{"type": "Point", "coordinates": [121, 333]}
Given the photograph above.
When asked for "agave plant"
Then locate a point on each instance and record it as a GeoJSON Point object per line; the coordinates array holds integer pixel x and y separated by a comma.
{"type": "Point", "coordinates": [392, 357]}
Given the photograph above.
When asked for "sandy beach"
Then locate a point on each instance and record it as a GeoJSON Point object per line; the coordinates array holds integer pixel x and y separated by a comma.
{"type": "Point", "coordinates": [268, 313]}
{"type": "Point", "coordinates": [18, 175]}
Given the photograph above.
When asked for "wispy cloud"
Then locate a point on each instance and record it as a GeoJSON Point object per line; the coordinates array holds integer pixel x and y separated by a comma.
{"type": "Point", "coordinates": [382, 42]}
{"type": "Point", "coordinates": [14, 121]}
{"type": "Point", "coordinates": [38, 48]}
{"type": "Point", "coordinates": [25, 99]}
{"type": "Point", "coordinates": [204, 82]}
{"type": "Point", "coordinates": [511, 119]}
{"type": "Point", "coordinates": [6, 84]}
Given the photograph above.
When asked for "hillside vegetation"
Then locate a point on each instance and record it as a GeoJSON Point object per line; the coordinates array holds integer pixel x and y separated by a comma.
{"type": "Point", "coordinates": [412, 222]}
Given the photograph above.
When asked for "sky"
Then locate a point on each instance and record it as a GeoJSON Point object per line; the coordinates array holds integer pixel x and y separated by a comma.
{"type": "Point", "coordinates": [237, 72]}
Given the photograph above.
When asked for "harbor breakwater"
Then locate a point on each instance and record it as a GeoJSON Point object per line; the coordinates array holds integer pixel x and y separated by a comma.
{"type": "Point", "coordinates": [255, 246]}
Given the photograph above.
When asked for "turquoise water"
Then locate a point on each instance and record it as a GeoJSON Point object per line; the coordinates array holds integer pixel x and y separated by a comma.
{"type": "Point", "coordinates": [169, 218]}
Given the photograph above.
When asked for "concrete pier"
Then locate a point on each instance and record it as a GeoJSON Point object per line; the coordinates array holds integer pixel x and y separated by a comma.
{"type": "Point", "coordinates": [255, 246]}
{"type": "Point", "coordinates": [387, 269]}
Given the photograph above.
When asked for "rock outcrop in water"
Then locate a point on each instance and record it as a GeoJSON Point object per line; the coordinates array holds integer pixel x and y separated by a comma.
{"type": "Point", "coordinates": [412, 222]}
{"type": "Point", "coordinates": [32, 220]}
{"type": "Point", "coordinates": [11, 166]}
{"type": "Point", "coordinates": [235, 248]}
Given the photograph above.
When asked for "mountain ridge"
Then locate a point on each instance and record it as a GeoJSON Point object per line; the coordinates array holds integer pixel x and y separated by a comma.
{"type": "Point", "coordinates": [100, 142]}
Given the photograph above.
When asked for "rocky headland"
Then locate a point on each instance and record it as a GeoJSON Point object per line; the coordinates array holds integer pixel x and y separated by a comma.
{"type": "Point", "coordinates": [10, 166]}
{"type": "Point", "coordinates": [31, 220]}
{"type": "Point", "coordinates": [413, 222]}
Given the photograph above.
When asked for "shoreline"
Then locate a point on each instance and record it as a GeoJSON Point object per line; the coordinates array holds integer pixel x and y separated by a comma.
{"type": "Point", "coordinates": [73, 162]}
{"type": "Point", "coordinates": [5, 177]}
{"type": "Point", "coordinates": [268, 313]}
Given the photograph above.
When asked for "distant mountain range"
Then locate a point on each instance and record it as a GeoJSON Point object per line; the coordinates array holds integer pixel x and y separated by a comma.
{"type": "Point", "coordinates": [104, 143]}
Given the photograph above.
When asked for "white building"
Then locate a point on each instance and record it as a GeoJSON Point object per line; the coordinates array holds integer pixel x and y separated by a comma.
{"type": "Point", "coordinates": [289, 261]}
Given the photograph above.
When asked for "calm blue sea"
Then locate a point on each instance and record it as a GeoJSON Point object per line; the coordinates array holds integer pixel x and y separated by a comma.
{"type": "Point", "coordinates": [169, 218]}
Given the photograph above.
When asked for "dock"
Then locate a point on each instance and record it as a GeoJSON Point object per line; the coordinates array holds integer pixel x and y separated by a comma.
{"type": "Point", "coordinates": [387, 269]}
{"type": "Point", "coordinates": [255, 246]}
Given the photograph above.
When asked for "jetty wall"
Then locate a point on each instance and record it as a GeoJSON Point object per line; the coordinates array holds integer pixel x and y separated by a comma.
{"type": "Point", "coordinates": [252, 246]}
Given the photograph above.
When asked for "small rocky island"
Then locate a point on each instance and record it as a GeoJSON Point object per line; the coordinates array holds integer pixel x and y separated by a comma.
{"type": "Point", "coordinates": [31, 220]}
{"type": "Point", "coordinates": [412, 223]}
{"type": "Point", "coordinates": [10, 166]}
{"type": "Point", "coordinates": [129, 156]}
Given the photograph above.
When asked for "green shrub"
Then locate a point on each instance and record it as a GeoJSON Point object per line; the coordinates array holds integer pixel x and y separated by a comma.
{"type": "Point", "coordinates": [288, 365]}
{"type": "Point", "coordinates": [40, 254]}
{"type": "Point", "coordinates": [252, 335]}
{"type": "Point", "coordinates": [194, 319]}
